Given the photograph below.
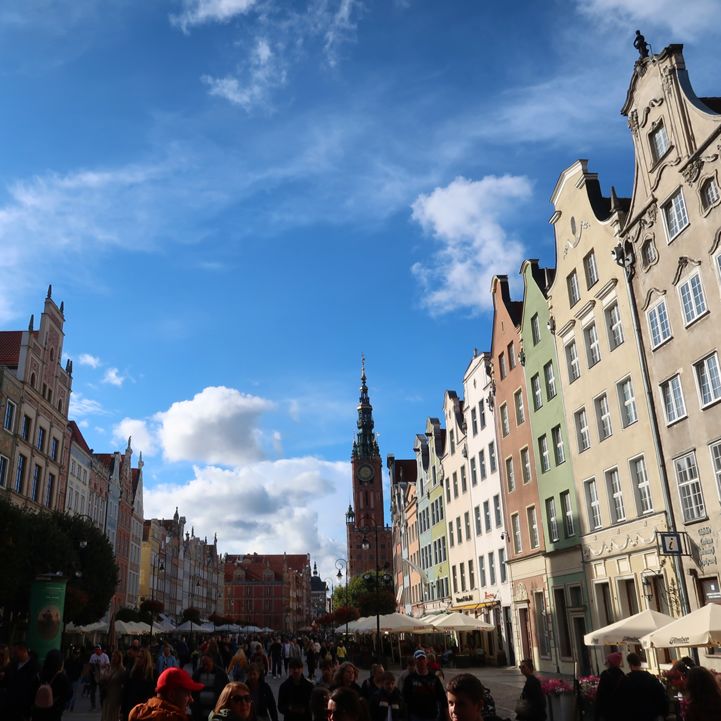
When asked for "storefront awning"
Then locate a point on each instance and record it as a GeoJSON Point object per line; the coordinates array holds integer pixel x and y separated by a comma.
{"type": "Point", "coordinates": [473, 605]}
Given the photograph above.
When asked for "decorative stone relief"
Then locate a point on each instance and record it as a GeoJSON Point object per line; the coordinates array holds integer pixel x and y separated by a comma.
{"type": "Point", "coordinates": [633, 121]}
{"type": "Point", "coordinates": [683, 262]}
{"type": "Point", "coordinates": [692, 170]}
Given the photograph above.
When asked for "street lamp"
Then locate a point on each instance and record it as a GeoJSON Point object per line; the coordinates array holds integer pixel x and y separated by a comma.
{"type": "Point", "coordinates": [340, 564]}
{"type": "Point", "coordinates": [158, 567]}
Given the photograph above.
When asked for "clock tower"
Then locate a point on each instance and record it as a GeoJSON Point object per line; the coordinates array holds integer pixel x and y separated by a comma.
{"type": "Point", "coordinates": [369, 541]}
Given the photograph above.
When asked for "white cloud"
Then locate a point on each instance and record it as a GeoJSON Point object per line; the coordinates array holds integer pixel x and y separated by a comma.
{"type": "Point", "coordinates": [143, 437]}
{"type": "Point", "coordinates": [113, 377]}
{"type": "Point", "coordinates": [341, 28]}
{"type": "Point", "coordinates": [81, 406]}
{"type": "Point", "coordinates": [465, 217]}
{"type": "Point", "coordinates": [85, 359]}
{"type": "Point", "coordinates": [202, 12]}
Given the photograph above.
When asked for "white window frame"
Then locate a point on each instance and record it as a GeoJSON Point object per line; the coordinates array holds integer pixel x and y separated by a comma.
{"type": "Point", "coordinates": [574, 290]}
{"type": "Point", "coordinates": [477, 519]}
{"type": "Point", "coordinates": [572, 360]}
{"type": "Point", "coordinates": [592, 343]}
{"type": "Point", "coordinates": [675, 215]}
{"type": "Point", "coordinates": [590, 268]}
{"type": "Point", "coordinates": [544, 454]}
{"type": "Point", "coordinates": [497, 510]}
{"type": "Point", "coordinates": [482, 571]}
{"type": "Point", "coordinates": [674, 405]}
{"type": "Point", "coordinates": [536, 392]}
{"type": "Point", "coordinates": [516, 533]}
{"type": "Point", "coordinates": [492, 568]}
{"type": "Point", "coordinates": [511, 356]}
{"type": "Point", "coordinates": [487, 520]}
{"type": "Point", "coordinates": [532, 519]}
{"type": "Point", "coordinates": [709, 199]}
{"type": "Point", "coordinates": [692, 298]}
{"type": "Point", "coordinates": [715, 451]}
{"type": "Point", "coordinates": [594, 504]}
{"type": "Point", "coordinates": [552, 516]}
{"type": "Point", "coordinates": [559, 452]}
{"type": "Point", "coordinates": [520, 409]}
{"type": "Point", "coordinates": [689, 487]}
{"type": "Point", "coordinates": [535, 329]}
{"type": "Point", "coordinates": [567, 510]}
{"type": "Point", "coordinates": [627, 402]}
{"type": "Point", "coordinates": [603, 417]}
{"type": "Point", "coordinates": [549, 378]}
{"type": "Point", "coordinates": [659, 324]}
{"type": "Point", "coordinates": [11, 411]}
{"type": "Point", "coordinates": [583, 435]}
{"type": "Point", "coordinates": [525, 456]}
{"type": "Point", "coordinates": [510, 474]}
{"type": "Point", "coordinates": [708, 379]}
{"type": "Point", "coordinates": [505, 423]}
{"type": "Point", "coordinates": [4, 470]}
{"type": "Point", "coordinates": [615, 495]}
{"type": "Point", "coordinates": [502, 564]}
{"type": "Point", "coordinates": [614, 325]}
{"type": "Point", "coordinates": [658, 142]}
{"type": "Point", "coordinates": [639, 473]}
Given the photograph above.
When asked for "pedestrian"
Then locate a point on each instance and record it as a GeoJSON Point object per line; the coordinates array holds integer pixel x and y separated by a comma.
{"type": "Point", "coordinates": [166, 659]}
{"type": "Point", "coordinates": [234, 704]}
{"type": "Point", "coordinates": [294, 693]}
{"type": "Point", "coordinates": [214, 680]}
{"type": "Point", "coordinates": [21, 683]}
{"type": "Point", "coordinates": [340, 651]}
{"type": "Point", "coordinates": [113, 685]}
{"type": "Point", "coordinates": [345, 676]}
{"type": "Point", "coordinates": [238, 666]}
{"type": "Point", "coordinates": [173, 694]}
{"type": "Point", "coordinates": [641, 697]}
{"type": "Point", "coordinates": [326, 674]}
{"type": "Point", "coordinates": [465, 694]}
{"type": "Point", "coordinates": [264, 708]}
{"type": "Point", "coordinates": [319, 703]}
{"type": "Point", "coordinates": [52, 676]}
{"type": "Point", "coordinates": [423, 693]}
{"type": "Point", "coordinates": [410, 668]}
{"type": "Point", "coordinates": [606, 705]}
{"type": "Point", "coordinates": [286, 655]}
{"type": "Point", "coordinates": [532, 704]}
{"type": "Point", "coordinates": [345, 704]}
{"type": "Point", "coordinates": [73, 667]}
{"type": "Point", "coordinates": [99, 665]}
{"type": "Point", "coordinates": [140, 684]}
{"type": "Point", "coordinates": [388, 704]}
{"type": "Point", "coordinates": [372, 685]}
{"type": "Point", "coordinates": [276, 657]}
{"type": "Point", "coordinates": [704, 695]}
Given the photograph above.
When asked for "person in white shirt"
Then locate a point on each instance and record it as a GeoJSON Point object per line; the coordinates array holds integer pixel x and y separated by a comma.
{"type": "Point", "coordinates": [99, 665]}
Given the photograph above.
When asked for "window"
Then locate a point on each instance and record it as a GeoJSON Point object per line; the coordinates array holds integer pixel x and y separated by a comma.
{"type": "Point", "coordinates": [535, 329]}
{"type": "Point", "coordinates": [510, 475]}
{"type": "Point", "coordinates": [464, 482]}
{"type": "Point", "coordinates": [54, 444]}
{"type": "Point", "coordinates": [450, 534]}
{"type": "Point", "coordinates": [482, 571]}
{"type": "Point", "coordinates": [448, 490]}
{"type": "Point", "coordinates": [525, 465]}
{"type": "Point", "coordinates": [502, 365]}
{"type": "Point", "coordinates": [532, 526]}
{"type": "Point", "coordinates": [544, 454]}
{"type": "Point", "coordinates": [49, 489]}
{"type": "Point", "coordinates": [511, 356]}
{"type": "Point", "coordinates": [455, 485]}
{"type": "Point", "coordinates": [505, 425]}
{"type": "Point", "coordinates": [9, 419]}
{"type": "Point", "coordinates": [658, 324]}
{"type": "Point", "coordinates": [454, 571]}
{"type": "Point", "coordinates": [492, 568]}
{"type": "Point", "coordinates": [558, 449]}
{"type": "Point", "coordinates": [674, 213]}
{"type": "Point", "coordinates": [497, 510]}
{"type": "Point", "coordinates": [20, 473]}
{"type": "Point", "coordinates": [463, 576]}
{"type": "Point", "coordinates": [552, 519]}
{"type": "Point", "coordinates": [482, 464]}
{"type": "Point", "coordinates": [467, 523]}
{"type": "Point", "coordinates": [520, 411]}
{"type": "Point", "coordinates": [715, 449]}
{"type": "Point", "coordinates": [642, 486]}
{"type": "Point", "coordinates": [693, 302]}
{"type": "Point", "coordinates": [568, 526]}
{"type": "Point", "coordinates": [689, 488]}
{"type": "Point", "coordinates": [673, 403]}
{"type": "Point", "coordinates": [550, 379]}
{"type": "Point", "coordinates": [492, 456]}
{"type": "Point", "coordinates": [41, 438]}
{"type": "Point", "coordinates": [536, 392]}
{"type": "Point", "coordinates": [37, 477]}
{"type": "Point", "coordinates": [487, 516]}
{"type": "Point", "coordinates": [25, 431]}
{"type": "Point", "coordinates": [627, 402]}
{"type": "Point", "coordinates": [594, 505]}
{"type": "Point", "coordinates": [658, 140]}
{"type": "Point", "coordinates": [590, 269]}
{"type": "Point", "coordinates": [574, 294]}
{"type": "Point", "coordinates": [582, 435]}
{"type": "Point", "coordinates": [474, 472]}
{"type": "Point", "coordinates": [471, 575]}
{"type": "Point", "coordinates": [477, 517]}
{"type": "Point", "coordinates": [574, 366]}
{"type": "Point", "coordinates": [459, 530]}
{"type": "Point", "coordinates": [709, 193]}
{"type": "Point", "coordinates": [502, 564]}
{"type": "Point", "coordinates": [482, 413]}
{"type": "Point", "coordinates": [603, 417]}
{"type": "Point", "coordinates": [648, 253]}
{"type": "Point", "coordinates": [593, 347]}
{"type": "Point", "coordinates": [4, 465]}
{"type": "Point", "coordinates": [474, 421]}
{"type": "Point", "coordinates": [516, 532]}
{"type": "Point", "coordinates": [614, 326]}
{"type": "Point", "coordinates": [709, 379]}
{"type": "Point", "coordinates": [613, 483]}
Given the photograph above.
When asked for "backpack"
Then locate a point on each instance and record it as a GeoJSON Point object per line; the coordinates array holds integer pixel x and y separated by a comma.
{"type": "Point", "coordinates": [44, 696]}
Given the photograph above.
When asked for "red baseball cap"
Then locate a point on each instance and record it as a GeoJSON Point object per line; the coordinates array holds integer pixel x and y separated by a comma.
{"type": "Point", "coordinates": [177, 678]}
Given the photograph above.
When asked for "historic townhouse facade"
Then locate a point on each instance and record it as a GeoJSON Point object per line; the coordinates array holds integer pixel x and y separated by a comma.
{"type": "Point", "coordinates": [34, 398]}
{"type": "Point", "coordinates": [672, 247]}
{"type": "Point", "coordinates": [516, 452]}
{"type": "Point", "coordinates": [554, 470]}
{"type": "Point", "coordinates": [78, 471]}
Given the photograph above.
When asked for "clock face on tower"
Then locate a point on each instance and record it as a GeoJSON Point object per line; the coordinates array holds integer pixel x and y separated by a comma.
{"type": "Point", "coordinates": [365, 473]}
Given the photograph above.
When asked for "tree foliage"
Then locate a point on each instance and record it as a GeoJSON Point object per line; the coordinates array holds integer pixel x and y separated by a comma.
{"type": "Point", "coordinates": [191, 614]}
{"type": "Point", "coordinates": [361, 596]}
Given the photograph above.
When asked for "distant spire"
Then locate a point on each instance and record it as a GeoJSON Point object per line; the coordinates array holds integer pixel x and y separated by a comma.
{"type": "Point", "coordinates": [315, 569]}
{"type": "Point", "coordinates": [62, 307]}
{"type": "Point", "coordinates": [50, 292]}
{"type": "Point", "coordinates": [176, 516]}
{"type": "Point", "coordinates": [130, 438]}
{"type": "Point", "coordinates": [32, 323]}
{"type": "Point", "coordinates": [365, 445]}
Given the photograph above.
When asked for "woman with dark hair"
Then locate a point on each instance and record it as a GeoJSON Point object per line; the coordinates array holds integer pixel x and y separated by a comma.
{"type": "Point", "coordinates": [114, 683]}
{"type": "Point", "coordinates": [264, 708]}
{"type": "Point", "coordinates": [345, 704]}
{"type": "Point", "coordinates": [704, 695]}
{"type": "Point", "coordinates": [319, 703]}
{"type": "Point", "coordinates": [345, 677]}
{"type": "Point", "coordinates": [234, 704]}
{"type": "Point", "coordinates": [52, 673]}
{"type": "Point", "coordinates": [140, 684]}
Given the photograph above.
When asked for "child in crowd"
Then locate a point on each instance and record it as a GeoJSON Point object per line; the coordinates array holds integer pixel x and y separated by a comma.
{"type": "Point", "coordinates": [387, 705]}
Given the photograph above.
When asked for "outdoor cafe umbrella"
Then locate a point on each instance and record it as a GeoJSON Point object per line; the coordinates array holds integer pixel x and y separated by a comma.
{"type": "Point", "coordinates": [457, 621]}
{"type": "Point", "coordinates": [628, 630]}
{"type": "Point", "coordinates": [701, 627]}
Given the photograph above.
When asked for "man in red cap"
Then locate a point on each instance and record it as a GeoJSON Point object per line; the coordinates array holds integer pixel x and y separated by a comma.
{"type": "Point", "coordinates": [173, 694]}
{"type": "Point", "coordinates": [606, 707]}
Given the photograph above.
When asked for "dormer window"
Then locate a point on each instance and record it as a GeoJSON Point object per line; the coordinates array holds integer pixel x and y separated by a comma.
{"type": "Point", "coordinates": [658, 139]}
{"type": "Point", "coordinates": [710, 193]}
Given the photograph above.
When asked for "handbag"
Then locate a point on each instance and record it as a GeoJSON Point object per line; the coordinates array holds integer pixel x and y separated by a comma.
{"type": "Point", "coordinates": [523, 708]}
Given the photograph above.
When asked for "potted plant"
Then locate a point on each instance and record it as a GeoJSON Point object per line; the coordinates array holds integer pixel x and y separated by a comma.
{"type": "Point", "coordinates": [588, 688]}
{"type": "Point", "coordinates": [561, 702]}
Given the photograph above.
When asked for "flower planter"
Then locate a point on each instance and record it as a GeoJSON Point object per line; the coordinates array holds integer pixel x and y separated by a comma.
{"type": "Point", "coordinates": [561, 707]}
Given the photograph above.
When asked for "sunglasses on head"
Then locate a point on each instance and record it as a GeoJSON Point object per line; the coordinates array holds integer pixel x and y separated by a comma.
{"type": "Point", "coordinates": [244, 698]}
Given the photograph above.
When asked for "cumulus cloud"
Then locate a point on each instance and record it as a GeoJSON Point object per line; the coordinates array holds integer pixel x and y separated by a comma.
{"type": "Point", "coordinates": [85, 359]}
{"type": "Point", "coordinates": [143, 437]}
{"type": "Point", "coordinates": [113, 377]}
{"type": "Point", "coordinates": [202, 12]}
{"type": "Point", "coordinates": [465, 217]}
{"type": "Point", "coordinates": [81, 406]}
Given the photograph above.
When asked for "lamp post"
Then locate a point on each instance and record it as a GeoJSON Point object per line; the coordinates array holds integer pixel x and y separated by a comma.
{"type": "Point", "coordinates": [158, 567]}
{"type": "Point", "coordinates": [341, 564]}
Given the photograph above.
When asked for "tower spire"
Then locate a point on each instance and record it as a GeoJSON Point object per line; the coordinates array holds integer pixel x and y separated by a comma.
{"type": "Point", "coordinates": [365, 445]}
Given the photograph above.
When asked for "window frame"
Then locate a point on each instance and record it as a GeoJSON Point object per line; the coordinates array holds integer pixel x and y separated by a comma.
{"type": "Point", "coordinates": [658, 150]}
{"type": "Point", "coordinates": [696, 489]}
{"type": "Point", "coordinates": [653, 319]}
{"type": "Point", "coordinates": [602, 416]}
{"type": "Point", "coordinates": [552, 518]}
{"type": "Point", "coordinates": [626, 403]}
{"type": "Point", "coordinates": [559, 450]}
{"type": "Point", "coordinates": [583, 432]}
{"type": "Point", "coordinates": [525, 460]}
{"type": "Point", "coordinates": [614, 488]}
{"type": "Point", "coordinates": [11, 410]}
{"type": "Point", "coordinates": [709, 182]}
{"type": "Point", "coordinates": [641, 485]}
{"type": "Point", "coordinates": [590, 269]}
{"type": "Point", "coordinates": [614, 327]}
{"type": "Point", "coordinates": [505, 421]}
{"type": "Point", "coordinates": [592, 342]}
{"type": "Point", "coordinates": [573, 362]}
{"type": "Point", "coordinates": [536, 391]}
{"type": "Point", "coordinates": [671, 212]}
{"type": "Point", "coordinates": [532, 518]}
{"type": "Point", "coordinates": [693, 296]}
{"type": "Point", "coordinates": [569, 527]}
{"type": "Point", "coordinates": [544, 453]}
{"type": "Point", "coordinates": [713, 384]}
{"type": "Point", "coordinates": [593, 504]}
{"type": "Point", "coordinates": [549, 379]}
{"type": "Point", "coordinates": [573, 288]}
{"type": "Point", "coordinates": [673, 383]}
{"type": "Point", "coordinates": [510, 474]}
{"type": "Point", "coordinates": [535, 329]}
{"type": "Point", "coordinates": [516, 533]}
{"type": "Point", "coordinates": [519, 407]}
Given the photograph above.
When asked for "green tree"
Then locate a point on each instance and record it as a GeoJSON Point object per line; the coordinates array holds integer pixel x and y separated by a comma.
{"type": "Point", "coordinates": [191, 614]}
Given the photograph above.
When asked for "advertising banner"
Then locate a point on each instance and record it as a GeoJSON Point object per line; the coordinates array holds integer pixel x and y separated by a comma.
{"type": "Point", "coordinates": [47, 605]}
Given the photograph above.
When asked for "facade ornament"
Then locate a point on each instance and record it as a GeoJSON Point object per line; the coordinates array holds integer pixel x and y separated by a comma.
{"type": "Point", "coordinates": [667, 81]}
{"type": "Point", "coordinates": [633, 121]}
{"type": "Point", "coordinates": [641, 45]}
{"type": "Point", "coordinates": [692, 170]}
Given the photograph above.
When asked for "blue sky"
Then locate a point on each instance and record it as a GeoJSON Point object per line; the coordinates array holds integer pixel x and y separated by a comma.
{"type": "Point", "coordinates": [236, 198]}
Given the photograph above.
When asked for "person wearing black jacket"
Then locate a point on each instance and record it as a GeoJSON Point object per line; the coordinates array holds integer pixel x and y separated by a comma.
{"type": "Point", "coordinates": [531, 695]}
{"type": "Point", "coordinates": [263, 700]}
{"type": "Point", "coordinates": [52, 673]}
{"type": "Point", "coordinates": [606, 706]}
{"type": "Point", "coordinates": [641, 697]}
{"type": "Point", "coordinates": [214, 679]}
{"type": "Point", "coordinates": [423, 693]}
{"type": "Point", "coordinates": [294, 693]}
{"type": "Point", "coordinates": [21, 683]}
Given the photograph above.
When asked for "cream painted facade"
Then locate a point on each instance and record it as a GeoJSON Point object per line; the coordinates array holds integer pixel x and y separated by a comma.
{"type": "Point", "coordinates": [619, 488]}
{"type": "Point", "coordinates": [672, 242]}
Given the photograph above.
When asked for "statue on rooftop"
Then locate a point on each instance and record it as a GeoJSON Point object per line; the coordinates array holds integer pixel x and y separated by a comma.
{"type": "Point", "coordinates": [640, 44]}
